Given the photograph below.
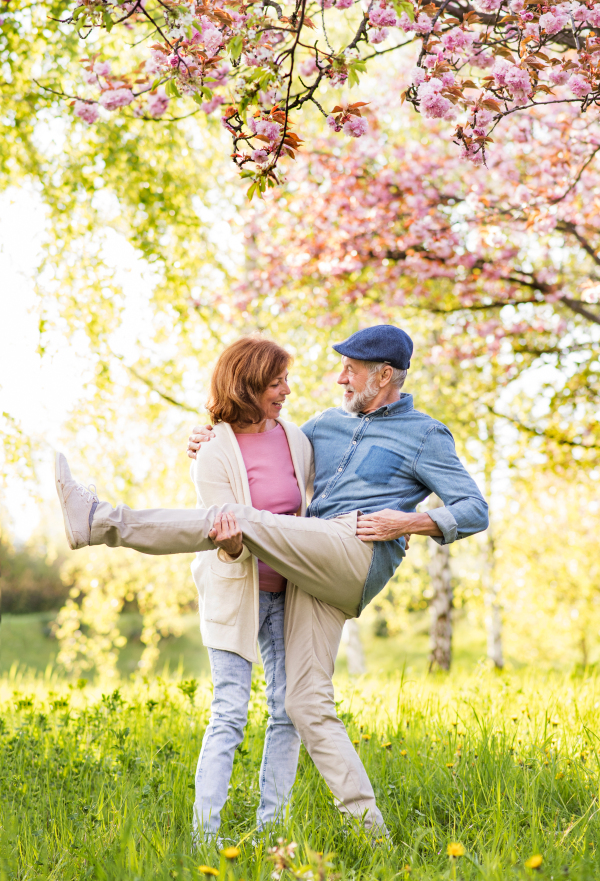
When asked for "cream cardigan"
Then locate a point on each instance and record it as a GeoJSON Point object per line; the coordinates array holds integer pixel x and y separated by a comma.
{"type": "Point", "coordinates": [228, 592]}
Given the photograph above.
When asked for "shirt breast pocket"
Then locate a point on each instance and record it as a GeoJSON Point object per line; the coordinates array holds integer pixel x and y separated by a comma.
{"type": "Point", "coordinates": [380, 466]}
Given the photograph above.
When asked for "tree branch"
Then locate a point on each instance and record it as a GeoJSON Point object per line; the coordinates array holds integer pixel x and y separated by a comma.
{"type": "Point", "coordinates": [577, 306]}
{"type": "Point", "coordinates": [539, 432]}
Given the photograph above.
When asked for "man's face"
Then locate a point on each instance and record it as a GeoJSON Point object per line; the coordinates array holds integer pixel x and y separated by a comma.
{"type": "Point", "coordinates": [360, 388]}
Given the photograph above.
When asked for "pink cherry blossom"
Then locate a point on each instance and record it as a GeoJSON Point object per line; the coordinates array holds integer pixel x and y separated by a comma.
{"type": "Point", "coordinates": [422, 23]}
{"type": "Point", "coordinates": [210, 106]}
{"type": "Point", "coordinates": [513, 78]}
{"type": "Point", "coordinates": [333, 124]}
{"type": "Point", "coordinates": [558, 76]}
{"type": "Point", "coordinates": [378, 35]}
{"type": "Point", "coordinates": [157, 104]}
{"type": "Point", "coordinates": [433, 105]}
{"type": "Point", "coordinates": [88, 112]}
{"type": "Point", "coordinates": [383, 16]}
{"type": "Point", "coordinates": [343, 4]}
{"type": "Point", "coordinates": [593, 16]}
{"type": "Point", "coordinates": [355, 126]}
{"type": "Point", "coordinates": [489, 5]}
{"type": "Point", "coordinates": [308, 67]}
{"type": "Point", "coordinates": [114, 98]}
{"type": "Point", "coordinates": [417, 76]}
{"type": "Point", "coordinates": [579, 85]}
{"type": "Point", "coordinates": [260, 156]}
{"type": "Point", "coordinates": [553, 22]}
{"type": "Point", "coordinates": [405, 23]}
{"type": "Point", "coordinates": [102, 68]}
{"type": "Point", "coordinates": [265, 127]}
{"type": "Point", "coordinates": [457, 40]}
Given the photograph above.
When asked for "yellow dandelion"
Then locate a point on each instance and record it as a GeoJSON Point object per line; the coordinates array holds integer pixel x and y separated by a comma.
{"type": "Point", "coordinates": [559, 776]}
{"type": "Point", "coordinates": [403, 752]}
{"type": "Point", "coordinates": [366, 737]}
{"type": "Point", "coordinates": [231, 853]}
{"type": "Point", "coordinates": [407, 868]}
{"type": "Point", "coordinates": [449, 764]}
{"type": "Point", "coordinates": [208, 870]}
{"type": "Point", "coordinates": [455, 849]}
{"type": "Point", "coordinates": [534, 862]}
{"type": "Point", "coordinates": [387, 745]}
{"type": "Point", "coordinates": [356, 742]}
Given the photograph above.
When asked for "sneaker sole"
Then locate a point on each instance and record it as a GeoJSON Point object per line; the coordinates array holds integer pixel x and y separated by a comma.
{"type": "Point", "coordinates": [59, 490]}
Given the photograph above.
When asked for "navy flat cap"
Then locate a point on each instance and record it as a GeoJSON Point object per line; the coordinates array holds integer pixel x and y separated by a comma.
{"type": "Point", "coordinates": [384, 342]}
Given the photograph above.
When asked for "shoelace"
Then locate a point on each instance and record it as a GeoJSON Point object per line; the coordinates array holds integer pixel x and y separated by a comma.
{"type": "Point", "coordinates": [89, 494]}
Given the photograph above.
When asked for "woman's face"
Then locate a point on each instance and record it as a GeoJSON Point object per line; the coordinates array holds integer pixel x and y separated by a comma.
{"type": "Point", "coordinates": [273, 397]}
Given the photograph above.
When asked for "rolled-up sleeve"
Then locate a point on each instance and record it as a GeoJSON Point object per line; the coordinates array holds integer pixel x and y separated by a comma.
{"type": "Point", "coordinates": [438, 468]}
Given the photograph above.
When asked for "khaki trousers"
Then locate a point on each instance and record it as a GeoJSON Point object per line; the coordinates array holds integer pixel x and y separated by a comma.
{"type": "Point", "coordinates": [313, 631]}
{"type": "Point", "coordinates": [327, 566]}
{"type": "Point", "coordinates": [323, 557]}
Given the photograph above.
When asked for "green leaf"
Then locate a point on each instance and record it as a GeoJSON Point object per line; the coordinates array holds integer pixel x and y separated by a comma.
{"type": "Point", "coordinates": [108, 22]}
{"type": "Point", "coordinates": [197, 98]}
{"type": "Point", "coordinates": [353, 79]}
{"type": "Point", "coordinates": [235, 46]}
{"type": "Point", "coordinates": [251, 191]}
{"type": "Point", "coordinates": [403, 6]}
{"type": "Point", "coordinates": [207, 93]}
{"type": "Point", "coordinates": [171, 90]}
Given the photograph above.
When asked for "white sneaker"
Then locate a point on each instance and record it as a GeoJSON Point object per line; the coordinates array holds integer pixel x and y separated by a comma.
{"type": "Point", "coordinates": [78, 504]}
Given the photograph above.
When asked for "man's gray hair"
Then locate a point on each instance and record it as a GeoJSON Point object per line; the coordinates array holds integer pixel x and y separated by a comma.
{"type": "Point", "coordinates": [398, 376]}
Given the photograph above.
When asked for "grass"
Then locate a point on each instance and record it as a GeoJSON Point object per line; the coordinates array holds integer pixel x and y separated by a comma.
{"type": "Point", "coordinates": [96, 781]}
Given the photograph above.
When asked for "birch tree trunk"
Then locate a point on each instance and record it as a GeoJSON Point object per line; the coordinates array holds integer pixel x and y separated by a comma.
{"type": "Point", "coordinates": [493, 615]}
{"type": "Point", "coordinates": [355, 654]}
{"type": "Point", "coordinates": [441, 604]}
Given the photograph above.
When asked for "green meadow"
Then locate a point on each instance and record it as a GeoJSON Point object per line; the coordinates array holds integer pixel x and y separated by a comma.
{"type": "Point", "coordinates": [96, 780]}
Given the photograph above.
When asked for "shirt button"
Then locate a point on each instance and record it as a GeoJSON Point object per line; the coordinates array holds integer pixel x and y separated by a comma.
{"type": "Point", "coordinates": [323, 496]}
{"type": "Point", "coordinates": [339, 469]}
{"type": "Point", "coordinates": [354, 443]}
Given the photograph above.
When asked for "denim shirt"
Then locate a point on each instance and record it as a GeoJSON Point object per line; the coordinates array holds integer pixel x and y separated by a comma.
{"type": "Point", "coordinates": [392, 458]}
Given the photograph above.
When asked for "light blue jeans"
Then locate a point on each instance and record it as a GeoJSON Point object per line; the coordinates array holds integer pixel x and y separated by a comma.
{"type": "Point", "coordinates": [231, 675]}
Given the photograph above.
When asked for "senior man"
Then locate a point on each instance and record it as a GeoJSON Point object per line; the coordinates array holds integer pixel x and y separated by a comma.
{"type": "Point", "coordinates": [376, 458]}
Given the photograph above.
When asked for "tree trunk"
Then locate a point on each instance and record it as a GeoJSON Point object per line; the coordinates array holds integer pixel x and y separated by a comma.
{"type": "Point", "coordinates": [441, 605]}
{"type": "Point", "coordinates": [355, 654]}
{"type": "Point", "coordinates": [493, 615]}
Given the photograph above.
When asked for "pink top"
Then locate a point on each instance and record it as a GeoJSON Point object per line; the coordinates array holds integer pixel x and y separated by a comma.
{"type": "Point", "coordinates": [273, 485]}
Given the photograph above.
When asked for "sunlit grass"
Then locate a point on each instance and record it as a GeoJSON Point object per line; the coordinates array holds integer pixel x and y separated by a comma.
{"type": "Point", "coordinates": [97, 782]}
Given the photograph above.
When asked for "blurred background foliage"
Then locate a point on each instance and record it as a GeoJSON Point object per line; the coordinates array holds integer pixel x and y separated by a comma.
{"type": "Point", "coordinates": [150, 264]}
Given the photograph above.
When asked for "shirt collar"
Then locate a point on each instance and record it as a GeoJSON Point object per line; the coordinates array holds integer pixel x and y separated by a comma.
{"type": "Point", "coordinates": [403, 405]}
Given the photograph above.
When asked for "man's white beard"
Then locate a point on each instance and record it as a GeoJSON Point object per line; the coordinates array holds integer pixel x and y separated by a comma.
{"type": "Point", "coordinates": [360, 400]}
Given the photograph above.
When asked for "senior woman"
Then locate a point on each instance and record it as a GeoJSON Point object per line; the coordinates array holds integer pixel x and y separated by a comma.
{"type": "Point", "coordinates": [256, 458]}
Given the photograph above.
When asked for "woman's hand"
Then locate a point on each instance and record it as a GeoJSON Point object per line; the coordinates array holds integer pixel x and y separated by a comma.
{"type": "Point", "coordinates": [227, 534]}
{"type": "Point", "coordinates": [200, 435]}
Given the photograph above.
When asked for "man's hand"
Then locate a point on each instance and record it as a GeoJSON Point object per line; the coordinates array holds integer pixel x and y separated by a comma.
{"type": "Point", "coordinates": [387, 525]}
{"type": "Point", "coordinates": [227, 534]}
{"type": "Point", "coordinates": [200, 435]}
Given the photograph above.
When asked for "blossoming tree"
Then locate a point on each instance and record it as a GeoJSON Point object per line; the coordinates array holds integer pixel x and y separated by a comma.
{"type": "Point", "coordinates": [507, 255]}
{"type": "Point", "coordinates": [261, 63]}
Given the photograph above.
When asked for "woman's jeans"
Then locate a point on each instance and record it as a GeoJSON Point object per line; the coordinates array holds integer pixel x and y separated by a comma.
{"type": "Point", "coordinates": [232, 676]}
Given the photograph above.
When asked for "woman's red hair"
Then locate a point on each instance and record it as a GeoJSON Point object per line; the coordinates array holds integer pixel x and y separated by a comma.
{"type": "Point", "coordinates": [241, 375]}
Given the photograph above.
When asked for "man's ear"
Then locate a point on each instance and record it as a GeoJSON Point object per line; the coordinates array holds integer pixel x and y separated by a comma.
{"type": "Point", "coordinates": [385, 375]}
